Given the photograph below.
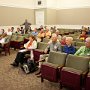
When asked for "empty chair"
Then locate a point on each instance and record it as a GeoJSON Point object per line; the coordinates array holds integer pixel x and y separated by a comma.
{"type": "Point", "coordinates": [75, 68]}
{"type": "Point", "coordinates": [46, 40]}
{"type": "Point", "coordinates": [19, 42]}
{"type": "Point", "coordinates": [49, 70]}
{"type": "Point", "coordinates": [40, 50]}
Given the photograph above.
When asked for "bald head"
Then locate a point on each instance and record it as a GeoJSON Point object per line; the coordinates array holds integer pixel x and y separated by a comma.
{"type": "Point", "coordinates": [54, 37]}
{"type": "Point", "coordinates": [87, 42]}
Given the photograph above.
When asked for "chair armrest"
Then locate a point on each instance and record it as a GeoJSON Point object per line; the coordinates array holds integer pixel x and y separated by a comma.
{"type": "Point", "coordinates": [50, 65]}
{"type": "Point", "coordinates": [72, 70]}
{"type": "Point", "coordinates": [38, 50]}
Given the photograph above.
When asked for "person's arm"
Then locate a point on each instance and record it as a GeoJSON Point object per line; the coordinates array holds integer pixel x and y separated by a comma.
{"type": "Point", "coordinates": [79, 51]}
{"type": "Point", "coordinates": [47, 48]}
{"type": "Point", "coordinates": [25, 45]}
{"type": "Point", "coordinates": [29, 23]}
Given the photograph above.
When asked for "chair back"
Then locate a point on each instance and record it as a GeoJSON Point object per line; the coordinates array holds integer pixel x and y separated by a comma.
{"type": "Point", "coordinates": [41, 45]}
{"type": "Point", "coordinates": [77, 62]}
{"type": "Point", "coordinates": [57, 58]}
{"type": "Point", "coordinates": [46, 40]}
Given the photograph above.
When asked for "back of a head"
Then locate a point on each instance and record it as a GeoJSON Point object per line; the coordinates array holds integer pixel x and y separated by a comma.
{"type": "Point", "coordinates": [88, 39]}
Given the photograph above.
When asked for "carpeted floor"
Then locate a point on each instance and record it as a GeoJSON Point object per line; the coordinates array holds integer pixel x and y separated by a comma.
{"type": "Point", "coordinates": [15, 79]}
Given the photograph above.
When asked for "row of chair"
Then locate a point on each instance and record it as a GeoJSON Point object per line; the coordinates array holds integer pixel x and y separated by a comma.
{"type": "Point", "coordinates": [69, 70]}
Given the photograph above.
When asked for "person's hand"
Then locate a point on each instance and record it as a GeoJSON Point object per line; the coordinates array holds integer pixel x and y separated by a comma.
{"type": "Point", "coordinates": [45, 51]}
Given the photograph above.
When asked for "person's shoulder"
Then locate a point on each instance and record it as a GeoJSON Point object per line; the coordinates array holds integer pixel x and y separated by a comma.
{"type": "Point", "coordinates": [82, 47]}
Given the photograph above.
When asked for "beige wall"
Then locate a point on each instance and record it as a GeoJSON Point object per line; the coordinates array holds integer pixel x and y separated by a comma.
{"type": "Point", "coordinates": [15, 16]}
{"type": "Point", "coordinates": [51, 15]}
{"type": "Point", "coordinates": [78, 16]}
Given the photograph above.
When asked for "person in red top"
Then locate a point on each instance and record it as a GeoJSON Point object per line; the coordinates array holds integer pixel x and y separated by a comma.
{"type": "Point", "coordinates": [63, 40]}
{"type": "Point", "coordinates": [29, 46]}
{"type": "Point", "coordinates": [83, 35]}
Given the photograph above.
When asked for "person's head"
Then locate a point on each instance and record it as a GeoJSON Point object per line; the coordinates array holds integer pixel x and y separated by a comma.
{"type": "Point", "coordinates": [21, 27]}
{"type": "Point", "coordinates": [83, 32]}
{"type": "Point", "coordinates": [32, 38]}
{"type": "Point", "coordinates": [84, 29]}
{"type": "Point", "coordinates": [12, 28]}
{"type": "Point", "coordinates": [64, 38]}
{"type": "Point", "coordinates": [18, 29]}
{"type": "Point", "coordinates": [35, 29]}
{"type": "Point", "coordinates": [69, 40]}
{"type": "Point", "coordinates": [54, 37]}
{"type": "Point", "coordinates": [25, 20]}
{"type": "Point", "coordinates": [9, 30]}
{"type": "Point", "coordinates": [57, 32]}
{"type": "Point", "coordinates": [87, 42]}
{"type": "Point", "coordinates": [47, 29]}
{"type": "Point", "coordinates": [3, 31]}
{"type": "Point", "coordinates": [41, 31]}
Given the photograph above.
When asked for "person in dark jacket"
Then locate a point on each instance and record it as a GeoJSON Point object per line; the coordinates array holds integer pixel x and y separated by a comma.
{"type": "Point", "coordinates": [69, 48]}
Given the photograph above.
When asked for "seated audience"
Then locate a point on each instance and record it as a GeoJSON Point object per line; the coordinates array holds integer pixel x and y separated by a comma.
{"type": "Point", "coordinates": [35, 33]}
{"type": "Point", "coordinates": [12, 29]}
{"type": "Point", "coordinates": [83, 35]}
{"type": "Point", "coordinates": [51, 38]}
{"type": "Point", "coordinates": [68, 48]}
{"type": "Point", "coordinates": [3, 39]}
{"type": "Point", "coordinates": [84, 50]}
{"type": "Point", "coordinates": [18, 31]}
{"type": "Point", "coordinates": [2, 31]}
{"type": "Point", "coordinates": [58, 36]}
{"type": "Point", "coordinates": [53, 46]}
{"type": "Point", "coordinates": [22, 30]}
{"type": "Point", "coordinates": [63, 40]}
{"type": "Point", "coordinates": [40, 35]}
{"type": "Point", "coordinates": [47, 33]}
{"type": "Point", "coordinates": [9, 32]}
{"type": "Point", "coordinates": [29, 46]}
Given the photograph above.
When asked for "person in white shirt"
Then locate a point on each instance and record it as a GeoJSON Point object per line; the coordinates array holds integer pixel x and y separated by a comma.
{"type": "Point", "coordinates": [3, 39]}
{"type": "Point", "coordinates": [29, 46]}
{"type": "Point", "coordinates": [1, 31]}
{"type": "Point", "coordinates": [9, 32]}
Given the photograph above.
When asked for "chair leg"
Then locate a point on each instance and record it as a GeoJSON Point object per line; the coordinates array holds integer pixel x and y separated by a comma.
{"type": "Point", "coordinates": [9, 51]}
{"type": "Point", "coordinates": [42, 79]}
{"type": "Point", "coordinates": [5, 53]}
{"type": "Point", "coordinates": [61, 86]}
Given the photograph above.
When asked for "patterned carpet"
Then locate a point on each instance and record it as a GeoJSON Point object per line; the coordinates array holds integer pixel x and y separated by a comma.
{"type": "Point", "coordinates": [15, 79]}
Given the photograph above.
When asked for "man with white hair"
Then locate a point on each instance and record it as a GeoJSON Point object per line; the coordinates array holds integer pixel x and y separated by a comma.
{"type": "Point", "coordinates": [69, 48]}
{"type": "Point", "coordinates": [53, 46]}
{"type": "Point", "coordinates": [84, 50]}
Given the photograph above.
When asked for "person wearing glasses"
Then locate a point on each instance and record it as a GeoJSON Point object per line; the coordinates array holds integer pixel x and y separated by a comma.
{"type": "Point", "coordinates": [84, 50]}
